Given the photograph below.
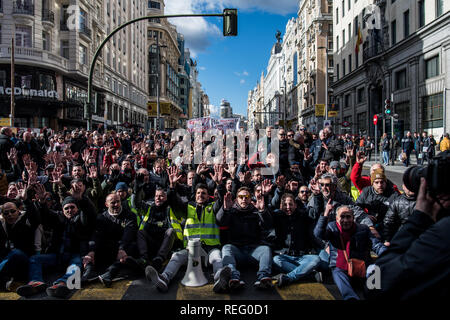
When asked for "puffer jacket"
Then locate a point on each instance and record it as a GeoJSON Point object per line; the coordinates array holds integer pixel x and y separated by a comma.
{"type": "Point", "coordinates": [399, 211]}
{"type": "Point", "coordinates": [361, 242]}
{"type": "Point", "coordinates": [247, 227]}
{"type": "Point", "coordinates": [335, 148]}
{"type": "Point", "coordinates": [376, 204]}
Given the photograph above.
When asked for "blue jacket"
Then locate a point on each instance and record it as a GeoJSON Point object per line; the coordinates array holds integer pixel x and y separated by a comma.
{"type": "Point", "coordinates": [361, 242]}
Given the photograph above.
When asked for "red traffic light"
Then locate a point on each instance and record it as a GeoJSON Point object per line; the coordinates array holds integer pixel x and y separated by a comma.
{"type": "Point", "coordinates": [375, 119]}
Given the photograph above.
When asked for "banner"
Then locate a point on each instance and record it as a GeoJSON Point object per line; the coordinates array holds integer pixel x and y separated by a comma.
{"type": "Point", "coordinates": [226, 124]}
{"type": "Point", "coordinates": [320, 110]}
{"type": "Point", "coordinates": [152, 109]}
{"type": "Point", "coordinates": [198, 124]}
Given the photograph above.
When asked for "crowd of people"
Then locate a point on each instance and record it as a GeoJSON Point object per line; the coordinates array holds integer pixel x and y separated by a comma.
{"type": "Point", "coordinates": [119, 205]}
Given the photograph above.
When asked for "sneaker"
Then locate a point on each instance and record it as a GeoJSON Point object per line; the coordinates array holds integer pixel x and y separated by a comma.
{"type": "Point", "coordinates": [264, 283]}
{"type": "Point", "coordinates": [318, 276]}
{"type": "Point", "coordinates": [32, 288]}
{"type": "Point", "coordinates": [58, 290]}
{"type": "Point", "coordinates": [160, 281]}
{"type": "Point", "coordinates": [283, 280]}
{"type": "Point", "coordinates": [89, 274]}
{"type": "Point", "coordinates": [236, 284]}
{"type": "Point", "coordinates": [221, 279]}
{"type": "Point", "coordinates": [8, 284]}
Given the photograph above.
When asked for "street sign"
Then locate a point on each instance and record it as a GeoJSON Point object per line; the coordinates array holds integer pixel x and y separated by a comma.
{"type": "Point", "coordinates": [326, 123]}
{"type": "Point", "coordinates": [375, 119]}
{"type": "Point", "coordinates": [345, 123]}
{"type": "Point", "coordinates": [5, 122]}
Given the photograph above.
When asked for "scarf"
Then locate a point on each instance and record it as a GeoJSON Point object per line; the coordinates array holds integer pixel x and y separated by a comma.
{"type": "Point", "coordinates": [341, 262]}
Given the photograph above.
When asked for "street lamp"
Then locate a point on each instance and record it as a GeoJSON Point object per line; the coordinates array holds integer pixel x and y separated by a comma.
{"type": "Point", "coordinates": [326, 73]}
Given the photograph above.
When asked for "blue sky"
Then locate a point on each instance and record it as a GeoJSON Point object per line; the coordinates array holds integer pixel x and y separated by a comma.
{"type": "Point", "coordinates": [231, 66]}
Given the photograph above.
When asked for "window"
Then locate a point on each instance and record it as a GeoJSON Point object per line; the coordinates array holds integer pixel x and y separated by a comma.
{"type": "Point", "coordinates": [439, 8]}
{"type": "Point", "coordinates": [356, 60]}
{"type": "Point", "coordinates": [361, 95]}
{"type": "Point", "coordinates": [400, 79]}
{"type": "Point", "coordinates": [361, 121]}
{"type": "Point", "coordinates": [65, 48]}
{"type": "Point", "coordinates": [343, 37]}
{"type": "Point", "coordinates": [421, 13]}
{"type": "Point", "coordinates": [46, 82]}
{"type": "Point", "coordinates": [337, 71]}
{"type": "Point", "coordinates": [343, 67]}
{"type": "Point", "coordinates": [406, 24]}
{"type": "Point", "coordinates": [82, 54]}
{"type": "Point", "coordinates": [45, 41]}
{"type": "Point", "coordinates": [347, 101]}
{"type": "Point", "coordinates": [355, 26]}
{"type": "Point", "coordinates": [433, 111]}
{"type": "Point", "coordinates": [337, 42]}
{"type": "Point", "coordinates": [154, 5]}
{"type": "Point", "coordinates": [107, 8]}
{"type": "Point", "coordinates": [432, 67]}
{"type": "Point", "coordinates": [349, 63]}
{"type": "Point", "coordinates": [394, 32]}
{"type": "Point", "coordinates": [349, 30]}
{"type": "Point", "coordinates": [337, 15]}
{"type": "Point", "coordinates": [364, 20]}
{"type": "Point", "coordinates": [349, 4]}
{"type": "Point", "coordinates": [23, 36]}
{"type": "Point", "coordinates": [343, 8]}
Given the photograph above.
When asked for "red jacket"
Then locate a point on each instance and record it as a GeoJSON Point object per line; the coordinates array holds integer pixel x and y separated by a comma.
{"type": "Point", "coordinates": [360, 182]}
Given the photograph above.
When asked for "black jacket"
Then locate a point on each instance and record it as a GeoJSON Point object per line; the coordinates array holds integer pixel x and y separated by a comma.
{"type": "Point", "coordinates": [399, 211]}
{"type": "Point", "coordinates": [115, 232]}
{"type": "Point", "coordinates": [292, 232]}
{"type": "Point", "coordinates": [247, 227]}
{"type": "Point", "coordinates": [284, 155]}
{"type": "Point", "coordinates": [296, 152]}
{"type": "Point", "coordinates": [376, 204]}
{"type": "Point", "coordinates": [5, 146]}
{"type": "Point", "coordinates": [417, 263]}
{"type": "Point", "coordinates": [335, 148]}
{"type": "Point", "coordinates": [33, 149]}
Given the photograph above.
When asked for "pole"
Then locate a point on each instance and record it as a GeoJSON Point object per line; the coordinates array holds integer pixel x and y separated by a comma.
{"type": "Point", "coordinates": [158, 111]}
{"type": "Point", "coordinates": [12, 83]}
{"type": "Point", "coordinates": [326, 78]}
{"type": "Point", "coordinates": [285, 105]}
{"type": "Point", "coordinates": [376, 143]}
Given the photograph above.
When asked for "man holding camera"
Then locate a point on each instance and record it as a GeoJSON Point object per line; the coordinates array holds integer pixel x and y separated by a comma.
{"type": "Point", "coordinates": [417, 263]}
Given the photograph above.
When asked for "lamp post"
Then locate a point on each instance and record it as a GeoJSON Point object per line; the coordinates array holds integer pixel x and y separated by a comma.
{"type": "Point", "coordinates": [326, 74]}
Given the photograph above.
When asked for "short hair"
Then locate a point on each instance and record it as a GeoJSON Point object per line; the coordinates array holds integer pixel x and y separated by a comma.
{"type": "Point", "coordinates": [159, 188]}
{"type": "Point", "coordinates": [342, 207]}
{"type": "Point", "coordinates": [243, 189]}
{"type": "Point", "coordinates": [201, 186]}
{"type": "Point", "coordinates": [332, 177]}
{"type": "Point", "coordinates": [287, 195]}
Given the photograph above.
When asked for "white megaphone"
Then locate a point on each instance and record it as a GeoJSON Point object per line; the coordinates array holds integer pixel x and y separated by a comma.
{"type": "Point", "coordinates": [194, 276]}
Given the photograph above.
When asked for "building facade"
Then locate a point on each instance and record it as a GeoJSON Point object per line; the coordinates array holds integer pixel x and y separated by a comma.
{"type": "Point", "coordinates": [226, 111]}
{"type": "Point", "coordinates": [272, 85]}
{"type": "Point", "coordinates": [403, 56]}
{"type": "Point", "coordinates": [54, 42]}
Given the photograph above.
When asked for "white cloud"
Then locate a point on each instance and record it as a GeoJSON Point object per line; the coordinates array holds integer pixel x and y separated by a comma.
{"type": "Point", "coordinates": [199, 32]}
{"type": "Point", "coordinates": [214, 110]}
{"type": "Point", "coordinates": [201, 68]}
{"type": "Point", "coordinates": [245, 73]}
{"type": "Point", "coordinates": [242, 81]}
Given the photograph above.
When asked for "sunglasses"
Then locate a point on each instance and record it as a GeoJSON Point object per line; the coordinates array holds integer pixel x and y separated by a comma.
{"type": "Point", "coordinates": [8, 212]}
{"type": "Point", "coordinates": [304, 191]}
{"type": "Point", "coordinates": [290, 135]}
{"type": "Point", "coordinates": [244, 196]}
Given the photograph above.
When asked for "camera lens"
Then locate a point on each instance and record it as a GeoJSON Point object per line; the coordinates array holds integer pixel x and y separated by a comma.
{"type": "Point", "coordinates": [411, 177]}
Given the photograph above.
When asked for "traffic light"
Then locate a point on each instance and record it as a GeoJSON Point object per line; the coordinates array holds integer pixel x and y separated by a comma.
{"type": "Point", "coordinates": [387, 107]}
{"type": "Point", "coordinates": [229, 22]}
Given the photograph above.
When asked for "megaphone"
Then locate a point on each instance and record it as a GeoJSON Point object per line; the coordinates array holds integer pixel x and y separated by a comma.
{"type": "Point", "coordinates": [194, 276]}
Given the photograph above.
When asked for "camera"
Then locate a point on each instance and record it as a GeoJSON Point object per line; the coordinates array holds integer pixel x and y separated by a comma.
{"type": "Point", "coordinates": [436, 175]}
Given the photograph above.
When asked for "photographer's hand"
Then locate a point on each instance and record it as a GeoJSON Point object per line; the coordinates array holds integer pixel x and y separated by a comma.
{"type": "Point", "coordinates": [425, 202]}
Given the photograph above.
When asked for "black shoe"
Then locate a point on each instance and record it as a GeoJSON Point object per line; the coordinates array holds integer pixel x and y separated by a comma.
{"type": "Point", "coordinates": [157, 263]}
{"type": "Point", "coordinates": [89, 274]}
{"type": "Point", "coordinates": [283, 280]}
{"type": "Point", "coordinates": [143, 263]}
{"type": "Point", "coordinates": [221, 279]}
{"type": "Point", "coordinates": [32, 288]}
{"type": "Point", "coordinates": [105, 279]}
{"type": "Point", "coordinates": [236, 284]}
{"type": "Point", "coordinates": [159, 280]}
{"type": "Point", "coordinates": [59, 290]}
{"type": "Point", "coordinates": [264, 283]}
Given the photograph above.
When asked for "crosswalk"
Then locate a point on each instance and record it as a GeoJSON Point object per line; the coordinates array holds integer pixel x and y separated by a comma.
{"type": "Point", "coordinates": [141, 290]}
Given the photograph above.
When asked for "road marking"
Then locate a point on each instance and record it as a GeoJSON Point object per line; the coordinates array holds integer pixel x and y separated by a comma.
{"type": "Point", "coordinates": [199, 293]}
{"type": "Point", "coordinates": [9, 296]}
{"type": "Point", "coordinates": [305, 291]}
{"type": "Point", "coordinates": [98, 291]}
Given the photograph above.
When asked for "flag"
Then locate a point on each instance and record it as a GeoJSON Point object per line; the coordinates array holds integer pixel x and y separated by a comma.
{"type": "Point", "coordinates": [358, 40]}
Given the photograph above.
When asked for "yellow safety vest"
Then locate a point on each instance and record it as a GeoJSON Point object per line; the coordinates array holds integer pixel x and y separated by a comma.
{"type": "Point", "coordinates": [137, 212]}
{"type": "Point", "coordinates": [355, 192]}
{"type": "Point", "coordinates": [175, 223]}
{"type": "Point", "coordinates": [206, 230]}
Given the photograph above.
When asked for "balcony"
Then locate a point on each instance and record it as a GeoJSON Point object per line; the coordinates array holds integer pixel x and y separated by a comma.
{"type": "Point", "coordinates": [372, 51]}
{"type": "Point", "coordinates": [25, 8]}
{"type": "Point", "coordinates": [84, 30]}
{"type": "Point", "coordinates": [34, 56]}
{"type": "Point", "coordinates": [48, 18]}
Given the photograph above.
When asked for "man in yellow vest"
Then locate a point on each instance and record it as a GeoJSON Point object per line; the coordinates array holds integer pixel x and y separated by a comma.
{"type": "Point", "coordinates": [159, 232]}
{"type": "Point", "coordinates": [200, 224]}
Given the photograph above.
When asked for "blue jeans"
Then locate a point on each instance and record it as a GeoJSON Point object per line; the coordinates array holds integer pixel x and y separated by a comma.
{"type": "Point", "coordinates": [48, 260]}
{"type": "Point", "coordinates": [296, 267]}
{"type": "Point", "coordinates": [385, 157]}
{"type": "Point", "coordinates": [247, 254]}
{"type": "Point", "coordinates": [15, 264]}
{"type": "Point", "coordinates": [342, 281]}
